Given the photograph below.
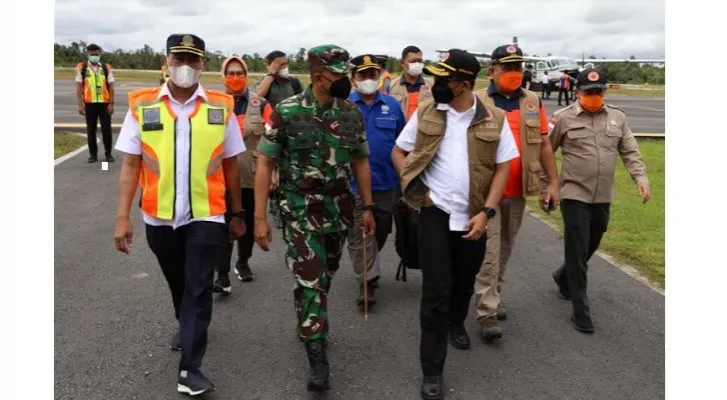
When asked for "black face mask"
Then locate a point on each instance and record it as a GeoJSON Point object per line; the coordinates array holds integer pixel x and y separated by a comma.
{"type": "Point", "coordinates": [442, 93]}
{"type": "Point", "coordinates": [340, 88]}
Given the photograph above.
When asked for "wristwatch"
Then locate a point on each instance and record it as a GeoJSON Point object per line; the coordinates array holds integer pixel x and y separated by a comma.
{"type": "Point", "coordinates": [239, 214]}
{"type": "Point", "coordinates": [369, 207]}
{"type": "Point", "coordinates": [489, 211]}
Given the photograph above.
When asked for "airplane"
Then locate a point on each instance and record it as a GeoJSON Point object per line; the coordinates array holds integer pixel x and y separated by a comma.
{"type": "Point", "coordinates": [556, 65]}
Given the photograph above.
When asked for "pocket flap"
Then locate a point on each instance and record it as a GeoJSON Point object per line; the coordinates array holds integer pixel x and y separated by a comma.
{"type": "Point", "coordinates": [386, 123]}
{"type": "Point", "coordinates": [578, 132]}
{"type": "Point", "coordinates": [535, 167]}
{"type": "Point", "coordinates": [532, 123]}
{"type": "Point", "coordinates": [487, 136]}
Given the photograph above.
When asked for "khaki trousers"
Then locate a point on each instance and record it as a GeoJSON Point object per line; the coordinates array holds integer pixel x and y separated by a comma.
{"type": "Point", "coordinates": [501, 233]}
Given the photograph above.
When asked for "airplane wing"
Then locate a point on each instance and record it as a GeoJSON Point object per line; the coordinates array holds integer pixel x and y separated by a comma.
{"type": "Point", "coordinates": [623, 60]}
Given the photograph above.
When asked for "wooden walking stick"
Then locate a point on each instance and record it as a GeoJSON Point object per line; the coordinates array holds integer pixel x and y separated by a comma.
{"type": "Point", "coordinates": [365, 278]}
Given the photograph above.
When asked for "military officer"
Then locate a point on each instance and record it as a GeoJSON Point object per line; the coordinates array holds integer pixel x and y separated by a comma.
{"type": "Point", "coordinates": [591, 135]}
{"type": "Point", "coordinates": [316, 138]}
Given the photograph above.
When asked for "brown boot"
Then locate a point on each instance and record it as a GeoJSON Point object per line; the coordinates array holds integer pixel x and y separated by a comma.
{"type": "Point", "coordinates": [491, 329]}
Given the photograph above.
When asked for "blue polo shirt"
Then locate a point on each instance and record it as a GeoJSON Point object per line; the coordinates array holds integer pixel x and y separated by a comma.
{"type": "Point", "coordinates": [383, 121]}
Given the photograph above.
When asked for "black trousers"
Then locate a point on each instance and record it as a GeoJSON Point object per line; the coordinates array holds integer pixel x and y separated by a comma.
{"type": "Point", "coordinates": [584, 226]}
{"type": "Point", "coordinates": [245, 242]}
{"type": "Point", "coordinates": [566, 93]}
{"type": "Point", "coordinates": [449, 265]}
{"type": "Point", "coordinates": [94, 112]}
{"type": "Point", "coordinates": [187, 257]}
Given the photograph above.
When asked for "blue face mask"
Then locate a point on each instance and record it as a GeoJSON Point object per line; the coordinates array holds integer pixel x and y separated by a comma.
{"type": "Point", "coordinates": [94, 59]}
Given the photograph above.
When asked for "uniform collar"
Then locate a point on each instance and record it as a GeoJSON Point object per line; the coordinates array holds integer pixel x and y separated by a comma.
{"type": "Point", "coordinates": [446, 107]}
{"type": "Point", "coordinates": [419, 81]}
{"type": "Point", "coordinates": [197, 93]}
{"type": "Point", "coordinates": [309, 99]}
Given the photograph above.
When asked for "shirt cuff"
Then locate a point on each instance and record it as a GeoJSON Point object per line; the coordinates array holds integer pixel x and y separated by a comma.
{"type": "Point", "coordinates": [269, 148]}
{"type": "Point", "coordinates": [362, 150]}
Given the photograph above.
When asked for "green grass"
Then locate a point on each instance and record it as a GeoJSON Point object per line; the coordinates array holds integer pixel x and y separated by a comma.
{"type": "Point", "coordinates": [64, 143]}
{"type": "Point", "coordinates": [636, 231]}
{"type": "Point", "coordinates": [213, 77]}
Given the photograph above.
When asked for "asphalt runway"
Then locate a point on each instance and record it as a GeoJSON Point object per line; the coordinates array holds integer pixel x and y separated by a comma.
{"type": "Point", "coordinates": [114, 318]}
{"type": "Point", "coordinates": [645, 115]}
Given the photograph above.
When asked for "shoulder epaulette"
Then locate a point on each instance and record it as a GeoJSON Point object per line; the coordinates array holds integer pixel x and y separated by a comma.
{"type": "Point", "coordinates": [558, 112]}
{"type": "Point", "coordinates": [615, 108]}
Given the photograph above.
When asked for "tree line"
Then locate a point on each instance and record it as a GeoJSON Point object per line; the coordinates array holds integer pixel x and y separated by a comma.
{"type": "Point", "coordinates": [150, 59]}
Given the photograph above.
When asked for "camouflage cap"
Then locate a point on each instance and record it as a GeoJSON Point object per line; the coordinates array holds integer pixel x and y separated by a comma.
{"type": "Point", "coordinates": [331, 57]}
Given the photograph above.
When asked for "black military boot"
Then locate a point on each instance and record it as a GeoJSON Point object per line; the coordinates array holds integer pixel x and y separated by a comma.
{"type": "Point", "coordinates": [318, 377]}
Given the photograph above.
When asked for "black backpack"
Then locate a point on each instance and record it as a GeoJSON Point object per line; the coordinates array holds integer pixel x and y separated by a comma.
{"type": "Point", "coordinates": [405, 240]}
{"type": "Point", "coordinates": [105, 70]}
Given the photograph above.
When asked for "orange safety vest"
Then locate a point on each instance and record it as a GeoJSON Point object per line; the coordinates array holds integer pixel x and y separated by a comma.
{"type": "Point", "coordinates": [157, 128]}
{"type": "Point", "coordinates": [95, 89]}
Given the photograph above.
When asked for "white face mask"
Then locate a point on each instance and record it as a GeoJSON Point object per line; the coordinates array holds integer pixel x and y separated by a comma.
{"type": "Point", "coordinates": [283, 72]}
{"type": "Point", "coordinates": [184, 76]}
{"type": "Point", "coordinates": [415, 68]}
{"type": "Point", "coordinates": [369, 86]}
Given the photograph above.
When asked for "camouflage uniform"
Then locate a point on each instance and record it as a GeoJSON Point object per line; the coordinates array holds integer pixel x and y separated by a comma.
{"type": "Point", "coordinates": [314, 145]}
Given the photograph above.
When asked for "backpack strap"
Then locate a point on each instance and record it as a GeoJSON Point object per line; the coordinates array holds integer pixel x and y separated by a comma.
{"type": "Point", "coordinates": [295, 82]}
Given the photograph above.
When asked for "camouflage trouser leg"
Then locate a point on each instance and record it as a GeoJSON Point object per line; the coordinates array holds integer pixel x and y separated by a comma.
{"type": "Point", "coordinates": [274, 204]}
{"type": "Point", "coordinates": [314, 259]}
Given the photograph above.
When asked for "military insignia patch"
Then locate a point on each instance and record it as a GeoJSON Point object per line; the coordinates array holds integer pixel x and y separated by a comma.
{"type": "Point", "coordinates": [255, 102]}
{"type": "Point", "coordinates": [215, 116]}
{"type": "Point", "coordinates": [530, 107]}
{"type": "Point", "coordinates": [613, 122]}
{"type": "Point", "coordinates": [385, 108]}
{"type": "Point", "coordinates": [187, 41]}
{"type": "Point", "coordinates": [593, 76]}
{"type": "Point", "coordinates": [151, 116]}
{"type": "Point", "coordinates": [511, 49]}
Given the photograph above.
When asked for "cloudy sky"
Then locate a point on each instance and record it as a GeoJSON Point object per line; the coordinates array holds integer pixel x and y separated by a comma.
{"type": "Point", "coordinates": [612, 29]}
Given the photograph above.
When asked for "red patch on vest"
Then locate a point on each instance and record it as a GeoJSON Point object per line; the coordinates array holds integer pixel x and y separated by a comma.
{"type": "Point", "coordinates": [531, 107]}
{"type": "Point", "coordinates": [488, 116]}
{"type": "Point", "coordinates": [255, 102]}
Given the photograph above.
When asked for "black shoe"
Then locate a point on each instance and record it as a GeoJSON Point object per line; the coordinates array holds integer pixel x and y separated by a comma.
{"type": "Point", "coordinates": [458, 337]}
{"type": "Point", "coordinates": [222, 285]}
{"type": "Point", "coordinates": [92, 159]}
{"type": "Point", "coordinates": [193, 383]}
{"type": "Point", "coordinates": [370, 289]}
{"type": "Point", "coordinates": [562, 293]}
{"type": "Point", "coordinates": [176, 343]}
{"type": "Point", "coordinates": [244, 273]}
{"type": "Point", "coordinates": [318, 376]}
{"type": "Point", "coordinates": [582, 324]}
{"type": "Point", "coordinates": [110, 158]}
{"type": "Point", "coordinates": [432, 388]}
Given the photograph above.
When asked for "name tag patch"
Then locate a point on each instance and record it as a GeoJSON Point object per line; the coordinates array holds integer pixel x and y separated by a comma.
{"type": "Point", "coordinates": [215, 116]}
{"type": "Point", "coordinates": [151, 119]}
{"type": "Point", "coordinates": [529, 115]}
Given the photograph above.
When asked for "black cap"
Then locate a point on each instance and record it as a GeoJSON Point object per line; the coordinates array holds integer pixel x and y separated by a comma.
{"type": "Point", "coordinates": [508, 53]}
{"type": "Point", "coordinates": [381, 59]}
{"type": "Point", "coordinates": [185, 43]}
{"type": "Point", "coordinates": [591, 78]}
{"type": "Point", "coordinates": [455, 62]}
{"type": "Point", "coordinates": [364, 62]}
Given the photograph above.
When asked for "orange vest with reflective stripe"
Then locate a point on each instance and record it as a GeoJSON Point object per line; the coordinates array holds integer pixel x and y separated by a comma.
{"type": "Point", "coordinates": [157, 129]}
{"type": "Point", "coordinates": [94, 84]}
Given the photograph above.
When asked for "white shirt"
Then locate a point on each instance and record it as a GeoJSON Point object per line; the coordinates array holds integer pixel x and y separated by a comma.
{"type": "Point", "coordinates": [546, 79]}
{"type": "Point", "coordinates": [130, 142]}
{"type": "Point", "coordinates": [95, 69]}
{"type": "Point", "coordinates": [447, 176]}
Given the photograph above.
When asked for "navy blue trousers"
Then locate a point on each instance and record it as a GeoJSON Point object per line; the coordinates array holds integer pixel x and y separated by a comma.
{"type": "Point", "coordinates": [188, 256]}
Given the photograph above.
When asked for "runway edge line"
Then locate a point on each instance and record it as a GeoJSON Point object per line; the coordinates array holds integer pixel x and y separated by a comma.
{"type": "Point", "coordinates": [74, 153]}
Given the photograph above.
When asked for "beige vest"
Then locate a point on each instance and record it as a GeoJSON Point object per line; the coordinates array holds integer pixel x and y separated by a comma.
{"type": "Point", "coordinates": [398, 91]}
{"type": "Point", "coordinates": [254, 128]}
{"type": "Point", "coordinates": [530, 139]}
{"type": "Point", "coordinates": [483, 136]}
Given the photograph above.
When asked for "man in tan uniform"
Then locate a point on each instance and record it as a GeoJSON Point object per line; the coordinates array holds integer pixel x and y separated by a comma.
{"type": "Point", "coordinates": [529, 124]}
{"type": "Point", "coordinates": [411, 88]}
{"type": "Point", "coordinates": [591, 135]}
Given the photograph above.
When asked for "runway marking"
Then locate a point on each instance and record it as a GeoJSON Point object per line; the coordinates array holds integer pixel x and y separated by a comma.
{"type": "Point", "coordinates": [640, 108]}
{"type": "Point", "coordinates": [104, 166]}
{"type": "Point", "coordinates": [74, 152]}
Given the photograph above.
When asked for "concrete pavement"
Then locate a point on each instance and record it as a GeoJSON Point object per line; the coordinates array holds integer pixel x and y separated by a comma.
{"type": "Point", "coordinates": [114, 317]}
{"type": "Point", "coordinates": [645, 115]}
